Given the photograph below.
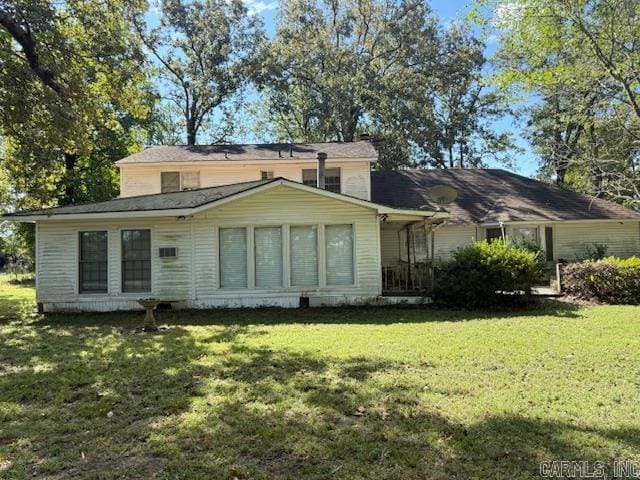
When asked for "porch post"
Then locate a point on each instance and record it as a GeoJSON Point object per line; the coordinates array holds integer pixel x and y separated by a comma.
{"type": "Point", "coordinates": [408, 258]}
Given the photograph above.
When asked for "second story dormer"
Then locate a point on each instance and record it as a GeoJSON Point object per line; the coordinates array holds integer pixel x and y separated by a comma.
{"type": "Point", "coordinates": [163, 169]}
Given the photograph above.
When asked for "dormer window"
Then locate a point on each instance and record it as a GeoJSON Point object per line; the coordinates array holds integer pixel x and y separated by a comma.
{"type": "Point", "coordinates": [177, 181]}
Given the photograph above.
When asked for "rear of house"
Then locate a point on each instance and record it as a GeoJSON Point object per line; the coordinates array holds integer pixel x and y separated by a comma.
{"type": "Point", "coordinates": [491, 203]}
{"type": "Point", "coordinates": [285, 225]}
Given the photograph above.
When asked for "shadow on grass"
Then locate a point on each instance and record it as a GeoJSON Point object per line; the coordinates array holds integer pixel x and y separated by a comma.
{"type": "Point", "coordinates": [102, 402]}
{"type": "Point", "coordinates": [327, 315]}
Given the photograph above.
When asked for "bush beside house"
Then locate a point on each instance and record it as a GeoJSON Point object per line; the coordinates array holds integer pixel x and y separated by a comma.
{"type": "Point", "coordinates": [610, 280]}
{"type": "Point", "coordinates": [486, 274]}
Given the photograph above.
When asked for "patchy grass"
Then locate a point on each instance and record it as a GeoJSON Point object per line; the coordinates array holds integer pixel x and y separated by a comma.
{"type": "Point", "coordinates": [386, 393]}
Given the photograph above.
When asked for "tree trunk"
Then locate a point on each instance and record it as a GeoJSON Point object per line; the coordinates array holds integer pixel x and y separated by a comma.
{"type": "Point", "coordinates": [191, 132]}
{"type": "Point", "coordinates": [68, 182]}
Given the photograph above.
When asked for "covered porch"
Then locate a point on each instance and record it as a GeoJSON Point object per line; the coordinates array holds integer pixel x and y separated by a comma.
{"type": "Point", "coordinates": [407, 254]}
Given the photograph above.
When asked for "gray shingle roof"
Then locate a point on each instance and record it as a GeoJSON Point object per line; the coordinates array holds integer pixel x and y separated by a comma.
{"type": "Point", "coordinates": [491, 196]}
{"type": "Point", "coordinates": [158, 201]}
{"type": "Point", "coordinates": [271, 151]}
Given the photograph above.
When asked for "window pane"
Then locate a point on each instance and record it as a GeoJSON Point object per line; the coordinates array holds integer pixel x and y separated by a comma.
{"type": "Point", "coordinates": [548, 234]}
{"type": "Point", "coordinates": [190, 180]}
{"type": "Point", "coordinates": [526, 236]}
{"type": "Point", "coordinates": [310, 177]}
{"type": "Point", "coordinates": [268, 257]}
{"type": "Point", "coordinates": [331, 179]}
{"type": "Point", "coordinates": [339, 242]}
{"type": "Point", "coordinates": [170, 182]}
{"type": "Point", "coordinates": [494, 234]}
{"type": "Point", "coordinates": [233, 257]}
{"type": "Point", "coordinates": [304, 256]}
{"type": "Point", "coordinates": [136, 260]}
{"type": "Point", "coordinates": [93, 262]}
{"type": "Point", "coordinates": [266, 175]}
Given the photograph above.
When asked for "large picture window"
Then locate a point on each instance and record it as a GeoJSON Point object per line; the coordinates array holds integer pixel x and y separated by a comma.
{"type": "Point", "coordinates": [136, 260]}
{"type": "Point", "coordinates": [339, 253]}
{"type": "Point", "coordinates": [304, 256]}
{"type": "Point", "coordinates": [233, 257]}
{"type": "Point", "coordinates": [93, 262]}
{"type": "Point", "coordinates": [268, 256]}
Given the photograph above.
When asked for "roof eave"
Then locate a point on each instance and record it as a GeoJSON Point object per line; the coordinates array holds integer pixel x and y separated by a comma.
{"type": "Point", "coordinates": [289, 160]}
{"type": "Point", "coordinates": [178, 212]}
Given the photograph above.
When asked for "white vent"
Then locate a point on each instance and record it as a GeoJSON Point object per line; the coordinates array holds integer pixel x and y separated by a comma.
{"type": "Point", "coordinates": [167, 252]}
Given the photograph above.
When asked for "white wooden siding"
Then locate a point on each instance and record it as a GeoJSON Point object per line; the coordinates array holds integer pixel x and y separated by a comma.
{"type": "Point", "coordinates": [571, 239]}
{"type": "Point", "coordinates": [450, 238]}
{"type": "Point", "coordinates": [192, 277]}
{"type": "Point", "coordinates": [355, 177]}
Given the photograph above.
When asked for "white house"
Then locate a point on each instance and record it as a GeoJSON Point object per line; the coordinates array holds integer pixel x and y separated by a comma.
{"type": "Point", "coordinates": [285, 225]}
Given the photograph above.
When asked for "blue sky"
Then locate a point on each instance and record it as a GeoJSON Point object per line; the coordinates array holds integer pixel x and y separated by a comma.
{"type": "Point", "coordinates": [447, 10]}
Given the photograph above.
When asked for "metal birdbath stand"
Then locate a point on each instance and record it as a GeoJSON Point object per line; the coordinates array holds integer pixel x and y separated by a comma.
{"type": "Point", "coordinates": [149, 320]}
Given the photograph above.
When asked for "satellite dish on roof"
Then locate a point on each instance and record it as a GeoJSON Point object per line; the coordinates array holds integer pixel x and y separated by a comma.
{"type": "Point", "coordinates": [443, 194]}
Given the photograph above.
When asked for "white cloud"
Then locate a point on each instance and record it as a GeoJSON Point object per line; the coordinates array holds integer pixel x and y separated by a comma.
{"type": "Point", "coordinates": [256, 7]}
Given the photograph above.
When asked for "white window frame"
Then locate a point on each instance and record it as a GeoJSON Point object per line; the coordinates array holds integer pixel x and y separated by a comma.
{"type": "Point", "coordinates": [287, 285]}
{"type": "Point", "coordinates": [353, 254]}
{"type": "Point", "coordinates": [181, 176]}
{"type": "Point", "coordinates": [151, 261]}
{"type": "Point", "coordinates": [189, 172]}
{"type": "Point", "coordinates": [249, 244]}
{"type": "Point", "coordinates": [319, 240]}
{"type": "Point", "coordinates": [77, 250]}
{"type": "Point", "coordinates": [516, 229]}
{"type": "Point", "coordinates": [282, 253]}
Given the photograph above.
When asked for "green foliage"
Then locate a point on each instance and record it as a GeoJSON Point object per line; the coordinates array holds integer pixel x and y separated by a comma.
{"type": "Point", "coordinates": [577, 64]}
{"type": "Point", "coordinates": [204, 51]}
{"type": "Point", "coordinates": [72, 90]}
{"type": "Point", "coordinates": [611, 280]}
{"type": "Point", "coordinates": [631, 262]}
{"type": "Point", "coordinates": [485, 274]}
{"type": "Point", "coordinates": [336, 69]}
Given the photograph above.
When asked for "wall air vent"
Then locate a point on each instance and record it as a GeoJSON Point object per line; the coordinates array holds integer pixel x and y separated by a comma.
{"type": "Point", "coordinates": [167, 252]}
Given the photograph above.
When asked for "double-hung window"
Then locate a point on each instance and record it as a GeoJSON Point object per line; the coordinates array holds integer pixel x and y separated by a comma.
{"type": "Point", "coordinates": [177, 181]}
{"type": "Point", "coordinates": [331, 179]}
{"type": "Point", "coordinates": [304, 256]}
{"type": "Point", "coordinates": [93, 262]}
{"type": "Point", "coordinates": [268, 256]}
{"type": "Point", "coordinates": [233, 257]}
{"type": "Point", "coordinates": [136, 260]}
{"type": "Point", "coordinates": [339, 254]}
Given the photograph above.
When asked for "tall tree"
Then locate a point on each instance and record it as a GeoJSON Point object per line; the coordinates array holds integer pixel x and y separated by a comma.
{"type": "Point", "coordinates": [68, 71]}
{"type": "Point", "coordinates": [451, 113]}
{"type": "Point", "coordinates": [577, 63]}
{"type": "Point", "coordinates": [333, 65]}
{"type": "Point", "coordinates": [382, 66]}
{"type": "Point", "coordinates": [204, 51]}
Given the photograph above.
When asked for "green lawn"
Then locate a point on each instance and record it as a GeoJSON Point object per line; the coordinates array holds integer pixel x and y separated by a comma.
{"type": "Point", "coordinates": [410, 393]}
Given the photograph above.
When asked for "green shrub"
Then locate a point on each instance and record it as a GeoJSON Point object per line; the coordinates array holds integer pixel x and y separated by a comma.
{"type": "Point", "coordinates": [486, 274]}
{"type": "Point", "coordinates": [611, 280]}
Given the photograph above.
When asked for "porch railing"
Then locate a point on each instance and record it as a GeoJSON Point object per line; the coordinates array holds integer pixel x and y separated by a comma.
{"type": "Point", "coordinates": [407, 279]}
